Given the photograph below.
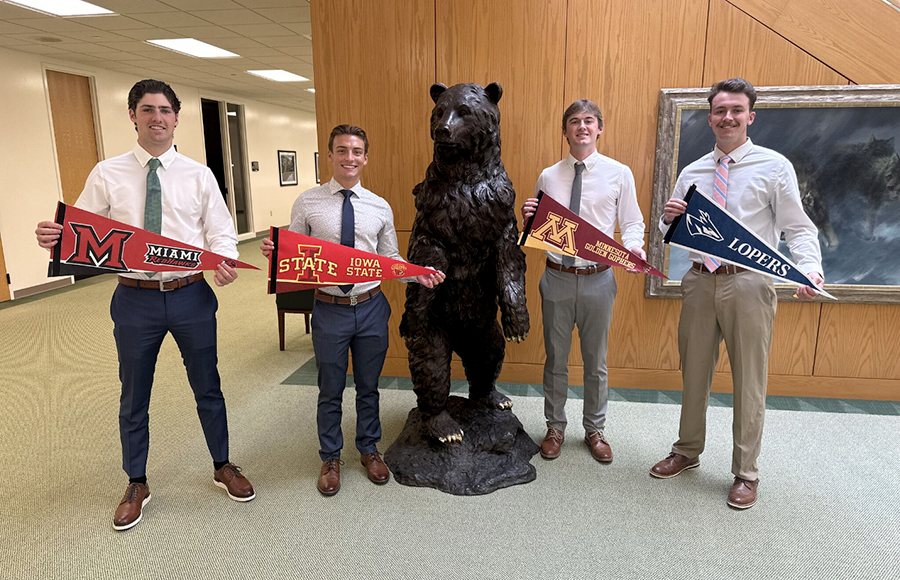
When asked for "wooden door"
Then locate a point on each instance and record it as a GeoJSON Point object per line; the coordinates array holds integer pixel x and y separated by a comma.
{"type": "Point", "coordinates": [73, 130]}
{"type": "Point", "coordinates": [4, 287]}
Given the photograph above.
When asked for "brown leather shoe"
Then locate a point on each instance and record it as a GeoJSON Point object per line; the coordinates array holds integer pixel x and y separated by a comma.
{"type": "Point", "coordinates": [552, 443]}
{"type": "Point", "coordinates": [330, 478]}
{"type": "Point", "coordinates": [375, 468]}
{"type": "Point", "coordinates": [672, 465]}
{"type": "Point", "coordinates": [600, 449]}
{"type": "Point", "coordinates": [233, 481]}
{"type": "Point", "coordinates": [743, 493]}
{"type": "Point", "coordinates": [130, 510]}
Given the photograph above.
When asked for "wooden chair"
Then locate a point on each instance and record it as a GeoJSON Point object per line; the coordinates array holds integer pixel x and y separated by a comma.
{"type": "Point", "coordinates": [299, 302]}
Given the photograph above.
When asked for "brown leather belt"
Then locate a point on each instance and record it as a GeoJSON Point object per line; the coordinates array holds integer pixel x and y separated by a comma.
{"type": "Point", "coordinates": [723, 269]}
{"type": "Point", "coordinates": [348, 300]}
{"type": "Point", "coordinates": [159, 284]}
{"type": "Point", "coordinates": [577, 271]}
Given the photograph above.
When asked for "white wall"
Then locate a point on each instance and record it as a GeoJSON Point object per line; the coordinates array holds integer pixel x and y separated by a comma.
{"type": "Point", "coordinates": [29, 179]}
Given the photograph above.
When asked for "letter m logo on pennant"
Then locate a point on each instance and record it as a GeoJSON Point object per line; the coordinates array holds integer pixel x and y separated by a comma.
{"type": "Point", "coordinates": [91, 251]}
{"type": "Point", "coordinates": [559, 232]}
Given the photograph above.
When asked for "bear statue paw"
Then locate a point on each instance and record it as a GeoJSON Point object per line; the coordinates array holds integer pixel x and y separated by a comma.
{"type": "Point", "coordinates": [443, 428]}
{"type": "Point", "coordinates": [495, 400]}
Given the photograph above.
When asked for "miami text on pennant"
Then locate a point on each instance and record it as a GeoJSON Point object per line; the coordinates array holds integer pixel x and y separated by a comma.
{"type": "Point", "coordinates": [301, 262]}
{"type": "Point", "coordinates": [707, 228]}
{"type": "Point", "coordinates": [555, 228]}
{"type": "Point", "coordinates": [93, 244]}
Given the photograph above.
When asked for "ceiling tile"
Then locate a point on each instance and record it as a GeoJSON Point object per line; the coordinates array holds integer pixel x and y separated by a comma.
{"type": "Point", "coordinates": [297, 50]}
{"type": "Point", "coordinates": [271, 3]}
{"type": "Point", "coordinates": [205, 33]}
{"type": "Point", "coordinates": [300, 28]}
{"type": "Point", "coordinates": [149, 34]}
{"type": "Point", "coordinates": [9, 11]}
{"type": "Point", "coordinates": [110, 22]}
{"type": "Point", "coordinates": [10, 28]}
{"type": "Point", "coordinates": [237, 43]}
{"type": "Point", "coordinates": [125, 45]}
{"type": "Point", "coordinates": [283, 41]}
{"type": "Point", "coordinates": [283, 15]}
{"type": "Point", "coordinates": [222, 17]}
{"type": "Point", "coordinates": [39, 49]}
{"type": "Point", "coordinates": [50, 24]}
{"type": "Point", "coordinates": [170, 19]}
{"type": "Point", "coordinates": [94, 35]}
{"type": "Point", "coordinates": [253, 52]}
{"type": "Point", "coordinates": [202, 4]}
{"type": "Point", "coordinates": [280, 61]}
{"type": "Point", "coordinates": [257, 30]}
{"type": "Point", "coordinates": [133, 6]}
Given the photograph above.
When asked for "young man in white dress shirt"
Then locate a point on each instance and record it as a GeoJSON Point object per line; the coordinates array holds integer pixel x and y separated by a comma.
{"type": "Point", "coordinates": [350, 318]}
{"type": "Point", "coordinates": [576, 292]}
{"type": "Point", "coordinates": [156, 188]}
{"type": "Point", "coordinates": [730, 303]}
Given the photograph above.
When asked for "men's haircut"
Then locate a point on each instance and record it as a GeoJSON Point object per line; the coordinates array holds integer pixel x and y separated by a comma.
{"type": "Point", "coordinates": [152, 86]}
{"type": "Point", "coordinates": [349, 130]}
{"type": "Point", "coordinates": [582, 106]}
{"type": "Point", "coordinates": [735, 85]}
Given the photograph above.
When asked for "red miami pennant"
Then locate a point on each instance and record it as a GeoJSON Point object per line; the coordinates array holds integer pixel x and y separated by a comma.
{"type": "Point", "coordinates": [301, 262]}
{"type": "Point", "coordinates": [93, 244]}
{"type": "Point", "coordinates": [555, 228]}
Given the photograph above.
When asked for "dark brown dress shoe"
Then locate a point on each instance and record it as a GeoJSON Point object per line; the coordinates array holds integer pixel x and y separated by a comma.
{"type": "Point", "coordinates": [375, 468]}
{"type": "Point", "coordinates": [552, 443]}
{"type": "Point", "coordinates": [600, 449]}
{"type": "Point", "coordinates": [743, 493]}
{"type": "Point", "coordinates": [330, 478]}
{"type": "Point", "coordinates": [233, 481]}
{"type": "Point", "coordinates": [672, 465]}
{"type": "Point", "coordinates": [130, 510]}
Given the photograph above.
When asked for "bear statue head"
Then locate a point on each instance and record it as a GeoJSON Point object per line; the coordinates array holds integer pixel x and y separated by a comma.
{"type": "Point", "coordinates": [465, 123]}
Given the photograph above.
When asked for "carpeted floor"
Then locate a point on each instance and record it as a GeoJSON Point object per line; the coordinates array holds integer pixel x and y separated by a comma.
{"type": "Point", "coordinates": [828, 499]}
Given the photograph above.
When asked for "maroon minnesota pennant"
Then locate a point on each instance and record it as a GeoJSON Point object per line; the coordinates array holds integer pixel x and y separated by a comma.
{"type": "Point", "coordinates": [301, 262]}
{"type": "Point", "coordinates": [555, 228]}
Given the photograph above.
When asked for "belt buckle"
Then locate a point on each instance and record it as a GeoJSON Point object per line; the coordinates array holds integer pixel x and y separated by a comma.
{"type": "Point", "coordinates": [353, 301]}
{"type": "Point", "coordinates": [163, 289]}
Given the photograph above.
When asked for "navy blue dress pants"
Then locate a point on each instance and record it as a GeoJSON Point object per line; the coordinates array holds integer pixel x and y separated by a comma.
{"type": "Point", "coordinates": [363, 331]}
{"type": "Point", "coordinates": [142, 318]}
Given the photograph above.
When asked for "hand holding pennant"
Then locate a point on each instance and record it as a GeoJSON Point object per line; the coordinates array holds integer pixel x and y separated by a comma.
{"type": "Point", "coordinates": [93, 244]}
{"type": "Point", "coordinates": [301, 262]}
{"type": "Point", "coordinates": [707, 228]}
{"type": "Point", "coordinates": [555, 228]}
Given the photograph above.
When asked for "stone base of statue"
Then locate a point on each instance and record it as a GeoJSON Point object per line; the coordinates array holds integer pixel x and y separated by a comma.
{"type": "Point", "coordinates": [495, 452]}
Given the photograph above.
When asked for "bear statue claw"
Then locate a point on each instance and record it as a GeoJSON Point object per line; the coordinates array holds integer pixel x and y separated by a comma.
{"type": "Point", "coordinates": [443, 428]}
{"type": "Point", "coordinates": [495, 400]}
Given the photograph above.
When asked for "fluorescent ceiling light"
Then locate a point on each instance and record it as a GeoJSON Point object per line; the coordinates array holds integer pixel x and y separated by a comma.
{"type": "Point", "coordinates": [311, 90]}
{"type": "Point", "coordinates": [281, 76]}
{"type": "Point", "coordinates": [62, 7]}
{"type": "Point", "coordinates": [194, 47]}
{"type": "Point", "coordinates": [231, 113]}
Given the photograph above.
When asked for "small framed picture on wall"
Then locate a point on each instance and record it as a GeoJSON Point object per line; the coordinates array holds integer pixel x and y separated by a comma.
{"type": "Point", "coordinates": [287, 167]}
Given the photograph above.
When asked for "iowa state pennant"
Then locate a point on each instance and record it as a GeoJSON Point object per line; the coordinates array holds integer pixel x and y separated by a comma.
{"type": "Point", "coordinates": [300, 262]}
{"type": "Point", "coordinates": [93, 244]}
{"type": "Point", "coordinates": [555, 228]}
{"type": "Point", "coordinates": [708, 228]}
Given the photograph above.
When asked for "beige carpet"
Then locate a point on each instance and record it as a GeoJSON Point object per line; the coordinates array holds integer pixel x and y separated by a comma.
{"type": "Point", "coordinates": [828, 499]}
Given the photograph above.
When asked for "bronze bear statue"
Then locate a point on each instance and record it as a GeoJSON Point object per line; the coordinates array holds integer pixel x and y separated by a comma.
{"type": "Point", "coordinates": [466, 226]}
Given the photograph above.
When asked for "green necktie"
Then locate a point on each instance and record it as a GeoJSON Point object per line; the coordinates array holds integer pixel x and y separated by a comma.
{"type": "Point", "coordinates": [153, 205]}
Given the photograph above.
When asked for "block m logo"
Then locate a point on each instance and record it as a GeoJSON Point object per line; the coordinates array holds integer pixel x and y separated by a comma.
{"type": "Point", "coordinates": [92, 251]}
{"type": "Point", "coordinates": [559, 232]}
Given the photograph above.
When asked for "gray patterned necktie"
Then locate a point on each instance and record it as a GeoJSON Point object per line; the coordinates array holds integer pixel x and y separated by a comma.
{"type": "Point", "coordinates": [153, 204]}
{"type": "Point", "coordinates": [575, 205]}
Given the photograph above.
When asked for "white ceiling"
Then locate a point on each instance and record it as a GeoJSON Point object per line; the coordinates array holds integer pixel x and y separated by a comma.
{"type": "Point", "coordinates": [268, 34]}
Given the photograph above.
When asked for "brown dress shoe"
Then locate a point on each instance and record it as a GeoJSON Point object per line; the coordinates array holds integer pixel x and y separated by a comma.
{"type": "Point", "coordinates": [743, 493]}
{"type": "Point", "coordinates": [672, 465]}
{"type": "Point", "coordinates": [375, 468]}
{"type": "Point", "coordinates": [130, 510]}
{"type": "Point", "coordinates": [552, 443]}
{"type": "Point", "coordinates": [600, 449]}
{"type": "Point", "coordinates": [330, 478]}
{"type": "Point", "coordinates": [233, 481]}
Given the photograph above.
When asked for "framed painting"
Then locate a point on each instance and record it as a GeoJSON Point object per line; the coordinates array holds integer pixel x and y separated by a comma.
{"type": "Point", "coordinates": [844, 144]}
{"type": "Point", "coordinates": [287, 167]}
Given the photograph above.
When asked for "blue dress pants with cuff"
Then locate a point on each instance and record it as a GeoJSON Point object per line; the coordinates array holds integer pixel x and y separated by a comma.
{"type": "Point", "coordinates": [142, 319]}
{"type": "Point", "coordinates": [362, 330]}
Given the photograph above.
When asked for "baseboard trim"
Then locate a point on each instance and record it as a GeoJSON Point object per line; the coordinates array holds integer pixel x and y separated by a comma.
{"type": "Point", "coordinates": [41, 288]}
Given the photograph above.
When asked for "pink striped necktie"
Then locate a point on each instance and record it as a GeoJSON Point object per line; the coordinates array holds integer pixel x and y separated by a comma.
{"type": "Point", "coordinates": [720, 194]}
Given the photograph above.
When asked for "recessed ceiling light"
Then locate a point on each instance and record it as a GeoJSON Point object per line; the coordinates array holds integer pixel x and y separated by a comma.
{"type": "Point", "coordinates": [312, 90]}
{"type": "Point", "coordinates": [281, 76]}
{"type": "Point", "coordinates": [194, 47]}
{"type": "Point", "coordinates": [62, 7]}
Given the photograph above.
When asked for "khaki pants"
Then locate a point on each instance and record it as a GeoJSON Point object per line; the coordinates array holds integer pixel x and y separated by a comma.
{"type": "Point", "coordinates": [739, 308]}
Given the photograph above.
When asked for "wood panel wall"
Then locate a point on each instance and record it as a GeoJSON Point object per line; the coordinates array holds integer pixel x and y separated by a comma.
{"type": "Point", "coordinates": [72, 109]}
{"type": "Point", "coordinates": [546, 54]}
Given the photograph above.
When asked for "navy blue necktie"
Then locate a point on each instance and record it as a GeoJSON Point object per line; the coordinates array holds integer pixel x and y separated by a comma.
{"type": "Point", "coordinates": [347, 230]}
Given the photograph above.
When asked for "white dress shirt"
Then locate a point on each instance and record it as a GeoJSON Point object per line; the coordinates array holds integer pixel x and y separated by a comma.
{"type": "Point", "coordinates": [762, 192]}
{"type": "Point", "coordinates": [193, 210]}
{"type": "Point", "coordinates": [318, 213]}
{"type": "Point", "coordinates": [607, 194]}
